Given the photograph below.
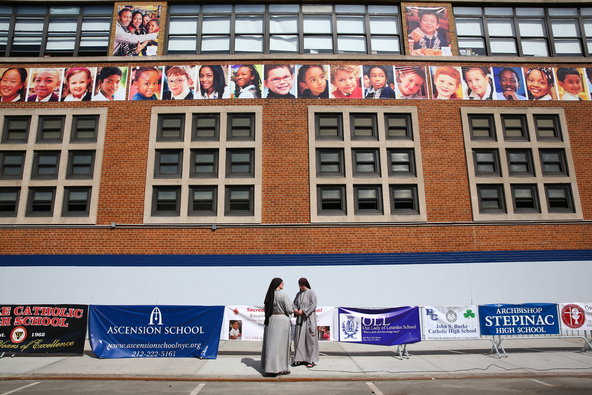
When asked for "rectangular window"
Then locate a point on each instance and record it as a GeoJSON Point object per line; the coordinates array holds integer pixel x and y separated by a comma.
{"type": "Point", "coordinates": [366, 162]}
{"type": "Point", "coordinates": [331, 200]}
{"type": "Point", "coordinates": [553, 162]}
{"type": "Point", "coordinates": [16, 129]}
{"type": "Point", "coordinates": [559, 198]}
{"type": "Point", "coordinates": [51, 129]}
{"type": "Point", "coordinates": [203, 200]}
{"type": "Point", "coordinates": [84, 128]}
{"type": "Point", "coordinates": [168, 164]}
{"type": "Point", "coordinates": [166, 201]}
{"type": "Point", "coordinates": [491, 198]}
{"type": "Point", "coordinates": [329, 126]}
{"type": "Point", "coordinates": [515, 127]}
{"type": "Point", "coordinates": [76, 201]}
{"type": "Point", "coordinates": [240, 162]}
{"type": "Point", "coordinates": [548, 127]}
{"type": "Point", "coordinates": [46, 164]}
{"type": "Point", "coordinates": [41, 202]}
{"type": "Point", "coordinates": [171, 127]}
{"type": "Point", "coordinates": [482, 127]}
{"type": "Point", "coordinates": [206, 127]}
{"type": "Point", "coordinates": [241, 127]}
{"type": "Point", "coordinates": [9, 200]}
{"type": "Point", "coordinates": [239, 200]}
{"type": "Point", "coordinates": [368, 199]}
{"type": "Point", "coordinates": [204, 163]}
{"type": "Point", "coordinates": [401, 162]}
{"type": "Point", "coordinates": [330, 163]}
{"type": "Point", "coordinates": [404, 199]}
{"type": "Point", "coordinates": [398, 126]}
{"type": "Point", "coordinates": [81, 164]}
{"type": "Point", "coordinates": [363, 127]}
{"type": "Point", "coordinates": [486, 162]}
{"type": "Point", "coordinates": [520, 162]}
{"type": "Point", "coordinates": [525, 198]}
{"type": "Point", "coordinates": [11, 165]}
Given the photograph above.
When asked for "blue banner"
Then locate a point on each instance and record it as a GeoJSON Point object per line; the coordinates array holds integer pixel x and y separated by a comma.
{"type": "Point", "coordinates": [519, 319]}
{"type": "Point", "coordinates": [155, 331]}
{"type": "Point", "coordinates": [387, 327]}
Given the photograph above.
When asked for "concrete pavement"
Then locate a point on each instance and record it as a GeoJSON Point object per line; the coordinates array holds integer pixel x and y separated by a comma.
{"type": "Point", "coordinates": [240, 361]}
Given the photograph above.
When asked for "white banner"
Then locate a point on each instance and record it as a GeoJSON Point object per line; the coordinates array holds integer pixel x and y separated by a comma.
{"type": "Point", "coordinates": [576, 316]}
{"type": "Point", "coordinates": [450, 322]}
{"type": "Point", "coordinates": [246, 323]}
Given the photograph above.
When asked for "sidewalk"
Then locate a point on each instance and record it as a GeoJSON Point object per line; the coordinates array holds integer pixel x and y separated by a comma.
{"type": "Point", "coordinates": [239, 361]}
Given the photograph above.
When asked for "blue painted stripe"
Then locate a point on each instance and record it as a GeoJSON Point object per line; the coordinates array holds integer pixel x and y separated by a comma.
{"type": "Point", "coordinates": [297, 259]}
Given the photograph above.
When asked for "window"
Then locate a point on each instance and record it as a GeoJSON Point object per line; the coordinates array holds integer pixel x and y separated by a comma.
{"type": "Point", "coordinates": [486, 162]}
{"type": "Point", "coordinates": [482, 127]}
{"type": "Point", "coordinates": [522, 31]}
{"type": "Point", "coordinates": [520, 169]}
{"type": "Point", "coordinates": [58, 30]}
{"type": "Point", "coordinates": [366, 169]}
{"type": "Point", "coordinates": [211, 174]}
{"type": "Point", "coordinates": [11, 164]}
{"type": "Point", "coordinates": [289, 28]}
{"type": "Point", "coordinates": [55, 169]}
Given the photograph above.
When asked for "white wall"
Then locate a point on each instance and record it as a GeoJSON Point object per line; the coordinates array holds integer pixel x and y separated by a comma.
{"type": "Point", "coordinates": [353, 286]}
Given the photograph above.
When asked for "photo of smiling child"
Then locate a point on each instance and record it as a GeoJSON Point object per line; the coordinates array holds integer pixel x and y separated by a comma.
{"type": "Point", "coordinates": [312, 82]}
{"type": "Point", "coordinates": [212, 82]}
{"type": "Point", "coordinates": [111, 83]}
{"type": "Point", "coordinates": [247, 81]}
{"type": "Point", "coordinates": [78, 84]}
{"type": "Point", "coordinates": [45, 85]}
{"type": "Point", "coordinates": [540, 83]}
{"type": "Point", "coordinates": [411, 82]}
{"type": "Point", "coordinates": [146, 83]}
{"type": "Point", "coordinates": [446, 82]}
{"type": "Point", "coordinates": [179, 83]}
{"type": "Point", "coordinates": [12, 85]}
{"type": "Point", "coordinates": [345, 82]}
{"type": "Point", "coordinates": [571, 83]}
{"type": "Point", "coordinates": [427, 31]}
{"type": "Point", "coordinates": [509, 83]}
{"type": "Point", "coordinates": [478, 83]}
{"type": "Point", "coordinates": [278, 81]}
{"type": "Point", "coordinates": [379, 78]}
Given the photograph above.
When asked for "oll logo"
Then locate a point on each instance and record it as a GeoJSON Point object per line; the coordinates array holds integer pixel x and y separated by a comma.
{"type": "Point", "coordinates": [155, 317]}
{"type": "Point", "coordinates": [351, 328]}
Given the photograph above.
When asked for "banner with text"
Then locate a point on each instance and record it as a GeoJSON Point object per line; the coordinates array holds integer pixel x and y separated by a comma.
{"type": "Point", "coordinates": [43, 328]}
{"type": "Point", "coordinates": [155, 331]}
{"type": "Point", "coordinates": [450, 322]}
{"type": "Point", "coordinates": [399, 325]}
{"type": "Point", "coordinates": [519, 319]}
{"type": "Point", "coordinates": [246, 323]}
{"type": "Point", "coordinates": [576, 316]}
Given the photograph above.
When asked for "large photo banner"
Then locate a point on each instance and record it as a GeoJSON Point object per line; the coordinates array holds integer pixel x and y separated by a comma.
{"type": "Point", "coordinates": [519, 319]}
{"type": "Point", "coordinates": [155, 331]}
{"type": "Point", "coordinates": [43, 328]}
{"type": "Point", "coordinates": [576, 316]}
{"type": "Point", "coordinates": [247, 323]}
{"type": "Point", "coordinates": [450, 322]}
{"type": "Point", "coordinates": [387, 327]}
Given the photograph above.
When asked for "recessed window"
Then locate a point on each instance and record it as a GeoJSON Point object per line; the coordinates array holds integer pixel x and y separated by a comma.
{"type": "Point", "coordinates": [398, 126]}
{"type": "Point", "coordinates": [81, 164]}
{"type": "Point", "coordinates": [368, 199]}
{"type": "Point", "coordinates": [168, 163]}
{"type": "Point", "coordinates": [76, 201]}
{"type": "Point", "coordinates": [46, 164]}
{"type": "Point", "coordinates": [165, 201]}
{"type": "Point", "coordinates": [330, 163]}
{"type": "Point", "coordinates": [401, 162]}
{"type": "Point", "coordinates": [559, 198]}
{"type": "Point", "coordinates": [11, 165]}
{"type": "Point", "coordinates": [171, 127]}
{"type": "Point", "coordinates": [9, 200]}
{"type": "Point", "coordinates": [84, 128]}
{"type": "Point", "coordinates": [241, 127]}
{"type": "Point", "coordinates": [240, 162]}
{"type": "Point", "coordinates": [41, 202]}
{"type": "Point", "coordinates": [363, 127]}
{"type": "Point", "coordinates": [50, 129]}
{"type": "Point", "coordinates": [491, 198]}
{"type": "Point", "coordinates": [525, 198]}
{"type": "Point", "coordinates": [548, 127]}
{"type": "Point", "coordinates": [329, 126]}
{"type": "Point", "coordinates": [206, 127]}
{"type": "Point", "coordinates": [482, 127]}
{"type": "Point", "coordinates": [520, 162]}
{"type": "Point", "coordinates": [515, 127]}
{"type": "Point", "coordinates": [16, 129]}
{"type": "Point", "coordinates": [486, 162]}
{"type": "Point", "coordinates": [331, 200]}
{"type": "Point", "coordinates": [239, 200]}
{"type": "Point", "coordinates": [202, 200]}
{"type": "Point", "coordinates": [404, 199]}
{"type": "Point", "coordinates": [366, 162]}
{"type": "Point", "coordinates": [553, 162]}
{"type": "Point", "coordinates": [204, 163]}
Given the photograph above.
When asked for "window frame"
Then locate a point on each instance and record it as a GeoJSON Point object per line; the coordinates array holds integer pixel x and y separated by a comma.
{"type": "Point", "coordinates": [3, 164]}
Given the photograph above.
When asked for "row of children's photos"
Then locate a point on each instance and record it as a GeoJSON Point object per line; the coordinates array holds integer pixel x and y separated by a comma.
{"type": "Point", "coordinates": [278, 81]}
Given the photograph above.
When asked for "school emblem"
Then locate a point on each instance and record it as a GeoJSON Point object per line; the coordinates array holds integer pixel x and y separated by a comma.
{"type": "Point", "coordinates": [451, 316]}
{"type": "Point", "coordinates": [18, 335]}
{"type": "Point", "coordinates": [350, 327]}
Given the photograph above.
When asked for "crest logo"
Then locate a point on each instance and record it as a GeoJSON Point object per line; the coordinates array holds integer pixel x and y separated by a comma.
{"type": "Point", "coordinates": [155, 317]}
{"type": "Point", "coordinates": [18, 335]}
{"type": "Point", "coordinates": [451, 316]}
{"type": "Point", "coordinates": [350, 328]}
{"type": "Point", "coordinates": [573, 316]}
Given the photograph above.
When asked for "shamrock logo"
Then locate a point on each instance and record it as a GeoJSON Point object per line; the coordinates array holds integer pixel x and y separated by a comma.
{"type": "Point", "coordinates": [469, 314]}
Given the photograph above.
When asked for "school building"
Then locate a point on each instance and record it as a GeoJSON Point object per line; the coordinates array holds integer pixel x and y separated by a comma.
{"type": "Point", "coordinates": [385, 202]}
